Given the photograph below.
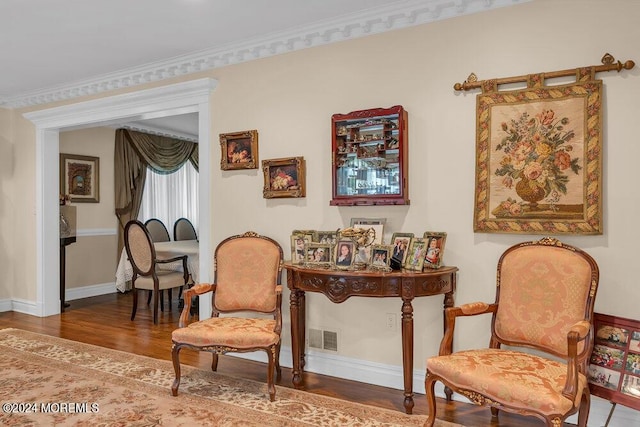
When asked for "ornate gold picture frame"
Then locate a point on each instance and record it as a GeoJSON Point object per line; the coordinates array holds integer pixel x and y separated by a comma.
{"type": "Point", "coordinates": [80, 178]}
{"type": "Point", "coordinates": [284, 177]}
{"type": "Point", "coordinates": [239, 150]}
{"type": "Point", "coordinates": [539, 158]}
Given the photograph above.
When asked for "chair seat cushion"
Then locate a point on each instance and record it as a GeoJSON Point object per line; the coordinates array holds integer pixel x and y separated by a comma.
{"type": "Point", "coordinates": [167, 280]}
{"type": "Point", "coordinates": [515, 379]}
{"type": "Point", "coordinates": [233, 332]}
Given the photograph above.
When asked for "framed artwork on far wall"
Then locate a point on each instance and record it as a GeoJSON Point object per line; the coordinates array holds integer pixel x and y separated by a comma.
{"type": "Point", "coordinates": [239, 150]}
{"type": "Point", "coordinates": [80, 178]}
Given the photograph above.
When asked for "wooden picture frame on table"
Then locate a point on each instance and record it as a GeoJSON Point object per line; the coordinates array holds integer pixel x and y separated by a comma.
{"type": "Point", "coordinates": [400, 244]}
{"type": "Point", "coordinates": [380, 257]}
{"type": "Point", "coordinates": [341, 259]}
{"type": "Point", "coordinates": [435, 248]}
{"type": "Point", "coordinates": [284, 177]}
{"type": "Point", "coordinates": [318, 254]}
{"type": "Point", "coordinates": [326, 237]}
{"type": "Point", "coordinates": [299, 239]}
{"type": "Point", "coordinates": [80, 178]}
{"type": "Point", "coordinates": [415, 255]}
{"type": "Point", "coordinates": [239, 150]}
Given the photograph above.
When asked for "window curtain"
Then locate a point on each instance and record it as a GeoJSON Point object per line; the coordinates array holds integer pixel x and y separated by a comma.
{"type": "Point", "coordinates": [172, 196]}
{"type": "Point", "coordinates": [134, 152]}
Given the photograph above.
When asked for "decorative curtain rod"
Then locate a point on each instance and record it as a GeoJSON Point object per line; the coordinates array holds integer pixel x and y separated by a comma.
{"type": "Point", "coordinates": [608, 62]}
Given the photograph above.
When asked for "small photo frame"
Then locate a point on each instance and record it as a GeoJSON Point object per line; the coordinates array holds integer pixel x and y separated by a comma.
{"type": "Point", "coordinates": [284, 177]}
{"type": "Point", "coordinates": [344, 256]}
{"type": "Point", "coordinates": [330, 237]}
{"type": "Point", "coordinates": [80, 178]}
{"type": "Point", "coordinates": [435, 248]}
{"type": "Point", "coordinates": [400, 244]}
{"type": "Point", "coordinates": [299, 238]}
{"type": "Point", "coordinates": [415, 256]}
{"type": "Point", "coordinates": [318, 254]}
{"type": "Point", "coordinates": [239, 150]}
{"type": "Point", "coordinates": [380, 257]}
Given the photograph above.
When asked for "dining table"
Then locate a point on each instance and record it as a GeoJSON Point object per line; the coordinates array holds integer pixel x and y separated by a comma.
{"type": "Point", "coordinates": [164, 250]}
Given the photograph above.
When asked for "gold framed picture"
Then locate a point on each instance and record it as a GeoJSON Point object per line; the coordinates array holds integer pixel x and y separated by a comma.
{"type": "Point", "coordinates": [284, 177]}
{"type": "Point", "coordinates": [416, 253]}
{"type": "Point", "coordinates": [318, 254]}
{"type": "Point", "coordinates": [344, 257]}
{"type": "Point", "coordinates": [435, 248]}
{"type": "Point", "coordinates": [239, 150]}
{"type": "Point", "coordinates": [300, 238]}
{"type": "Point", "coordinates": [80, 178]}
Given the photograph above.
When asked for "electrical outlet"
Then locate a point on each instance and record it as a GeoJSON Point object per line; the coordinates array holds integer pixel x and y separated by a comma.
{"type": "Point", "coordinates": [391, 321]}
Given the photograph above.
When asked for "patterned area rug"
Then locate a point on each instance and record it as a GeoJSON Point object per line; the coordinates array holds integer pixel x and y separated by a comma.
{"type": "Point", "coordinates": [66, 383]}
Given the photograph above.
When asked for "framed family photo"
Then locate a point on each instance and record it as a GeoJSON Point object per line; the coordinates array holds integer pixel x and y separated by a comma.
{"type": "Point", "coordinates": [284, 177]}
{"type": "Point", "coordinates": [435, 248]}
{"type": "Point", "coordinates": [344, 257]}
{"type": "Point", "coordinates": [380, 257]}
{"type": "Point", "coordinates": [299, 239]}
{"type": "Point", "coordinates": [80, 178]}
{"type": "Point", "coordinates": [400, 244]}
{"type": "Point", "coordinates": [326, 237]}
{"type": "Point", "coordinates": [239, 150]}
{"type": "Point", "coordinates": [416, 253]}
{"type": "Point", "coordinates": [318, 254]}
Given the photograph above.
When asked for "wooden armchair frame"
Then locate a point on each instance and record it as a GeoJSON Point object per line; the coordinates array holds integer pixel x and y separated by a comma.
{"type": "Point", "coordinates": [579, 343]}
{"type": "Point", "coordinates": [271, 344]}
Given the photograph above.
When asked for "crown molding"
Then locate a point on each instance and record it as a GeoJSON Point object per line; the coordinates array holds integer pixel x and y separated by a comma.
{"type": "Point", "coordinates": [154, 130]}
{"type": "Point", "coordinates": [396, 15]}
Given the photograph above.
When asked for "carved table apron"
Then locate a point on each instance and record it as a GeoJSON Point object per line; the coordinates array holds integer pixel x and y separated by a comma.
{"type": "Point", "coordinates": [338, 285]}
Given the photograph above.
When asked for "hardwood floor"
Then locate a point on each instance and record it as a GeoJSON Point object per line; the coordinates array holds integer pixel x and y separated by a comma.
{"type": "Point", "coordinates": [105, 321]}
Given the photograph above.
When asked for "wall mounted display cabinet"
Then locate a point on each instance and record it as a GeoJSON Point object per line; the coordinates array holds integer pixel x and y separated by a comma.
{"type": "Point", "coordinates": [370, 157]}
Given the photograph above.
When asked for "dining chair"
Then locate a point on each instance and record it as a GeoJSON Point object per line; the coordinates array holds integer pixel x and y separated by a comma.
{"type": "Point", "coordinates": [247, 280]}
{"type": "Point", "coordinates": [544, 301]}
{"type": "Point", "coordinates": [157, 230]}
{"type": "Point", "coordinates": [183, 229]}
{"type": "Point", "coordinates": [146, 274]}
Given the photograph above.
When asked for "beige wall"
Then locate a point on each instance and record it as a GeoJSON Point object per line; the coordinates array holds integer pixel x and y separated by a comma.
{"type": "Point", "coordinates": [7, 169]}
{"type": "Point", "coordinates": [92, 260]}
{"type": "Point", "coordinates": [290, 99]}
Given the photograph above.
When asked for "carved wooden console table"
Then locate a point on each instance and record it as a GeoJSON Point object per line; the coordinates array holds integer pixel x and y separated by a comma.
{"type": "Point", "coordinates": [339, 285]}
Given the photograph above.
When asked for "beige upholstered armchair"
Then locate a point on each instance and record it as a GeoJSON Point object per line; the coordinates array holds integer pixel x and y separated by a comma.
{"type": "Point", "coordinates": [247, 280]}
{"type": "Point", "coordinates": [544, 301]}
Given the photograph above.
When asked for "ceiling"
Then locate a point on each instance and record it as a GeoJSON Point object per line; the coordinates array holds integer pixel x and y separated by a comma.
{"type": "Point", "coordinates": [52, 50]}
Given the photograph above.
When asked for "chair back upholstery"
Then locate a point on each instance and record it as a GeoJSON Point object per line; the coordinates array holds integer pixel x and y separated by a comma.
{"type": "Point", "coordinates": [139, 247]}
{"type": "Point", "coordinates": [247, 270]}
{"type": "Point", "coordinates": [157, 230]}
{"type": "Point", "coordinates": [183, 229]}
{"type": "Point", "coordinates": [544, 288]}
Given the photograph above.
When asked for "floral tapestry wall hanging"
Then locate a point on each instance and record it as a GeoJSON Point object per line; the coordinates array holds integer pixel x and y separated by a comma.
{"type": "Point", "coordinates": [539, 159]}
{"type": "Point", "coordinates": [539, 152]}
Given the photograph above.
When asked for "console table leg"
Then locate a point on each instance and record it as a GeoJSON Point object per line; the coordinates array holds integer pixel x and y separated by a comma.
{"type": "Point", "coordinates": [407, 354]}
{"type": "Point", "coordinates": [297, 322]}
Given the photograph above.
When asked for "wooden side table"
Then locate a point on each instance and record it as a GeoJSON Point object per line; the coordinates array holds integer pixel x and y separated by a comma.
{"type": "Point", "coordinates": [338, 285]}
{"type": "Point", "coordinates": [64, 242]}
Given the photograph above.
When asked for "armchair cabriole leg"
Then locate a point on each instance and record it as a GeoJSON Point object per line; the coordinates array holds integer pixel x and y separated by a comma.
{"type": "Point", "coordinates": [175, 356]}
{"type": "Point", "coordinates": [429, 386]}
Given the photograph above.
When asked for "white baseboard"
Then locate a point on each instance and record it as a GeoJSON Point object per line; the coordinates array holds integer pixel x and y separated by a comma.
{"type": "Point", "coordinates": [90, 291]}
